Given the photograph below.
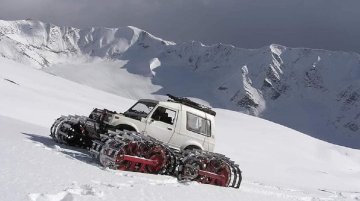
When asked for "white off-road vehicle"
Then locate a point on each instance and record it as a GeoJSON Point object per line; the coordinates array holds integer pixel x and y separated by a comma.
{"type": "Point", "coordinates": [178, 122]}
{"type": "Point", "coordinates": [174, 137]}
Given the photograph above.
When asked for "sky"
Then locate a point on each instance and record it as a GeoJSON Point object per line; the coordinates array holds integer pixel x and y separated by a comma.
{"type": "Point", "coordinates": [320, 24]}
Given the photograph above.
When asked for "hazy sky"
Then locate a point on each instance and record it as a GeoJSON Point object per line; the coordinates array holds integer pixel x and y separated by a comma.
{"type": "Point", "coordinates": [325, 24]}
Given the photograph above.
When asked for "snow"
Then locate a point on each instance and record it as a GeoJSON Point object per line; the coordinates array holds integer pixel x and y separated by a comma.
{"type": "Point", "coordinates": [278, 163]}
{"type": "Point", "coordinates": [38, 95]}
{"type": "Point", "coordinates": [112, 75]}
{"type": "Point", "coordinates": [47, 71]}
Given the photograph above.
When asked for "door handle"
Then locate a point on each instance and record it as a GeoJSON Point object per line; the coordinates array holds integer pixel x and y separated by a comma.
{"type": "Point", "coordinates": [170, 129]}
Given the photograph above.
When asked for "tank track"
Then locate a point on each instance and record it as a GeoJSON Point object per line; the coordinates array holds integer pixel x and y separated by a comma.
{"type": "Point", "coordinates": [209, 168]}
{"type": "Point", "coordinates": [131, 151]}
{"type": "Point", "coordinates": [71, 130]}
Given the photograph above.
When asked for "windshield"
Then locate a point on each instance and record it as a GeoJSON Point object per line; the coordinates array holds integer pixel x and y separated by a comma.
{"type": "Point", "coordinates": [143, 108]}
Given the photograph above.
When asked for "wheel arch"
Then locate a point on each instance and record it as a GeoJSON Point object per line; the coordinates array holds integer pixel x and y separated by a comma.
{"type": "Point", "coordinates": [126, 127]}
{"type": "Point", "coordinates": [192, 145]}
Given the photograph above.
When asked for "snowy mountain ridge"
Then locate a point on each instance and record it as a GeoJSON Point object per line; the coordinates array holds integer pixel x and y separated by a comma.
{"type": "Point", "coordinates": [43, 44]}
{"type": "Point", "coordinates": [314, 91]}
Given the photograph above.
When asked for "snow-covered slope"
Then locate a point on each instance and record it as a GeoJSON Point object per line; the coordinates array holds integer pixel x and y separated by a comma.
{"type": "Point", "coordinates": [314, 91]}
{"type": "Point", "coordinates": [278, 163]}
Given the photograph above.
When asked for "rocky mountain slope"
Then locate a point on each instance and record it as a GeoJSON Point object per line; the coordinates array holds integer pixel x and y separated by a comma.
{"type": "Point", "coordinates": [314, 91]}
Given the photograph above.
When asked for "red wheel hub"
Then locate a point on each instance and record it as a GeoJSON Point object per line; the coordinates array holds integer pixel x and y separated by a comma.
{"type": "Point", "coordinates": [131, 158]}
{"type": "Point", "coordinates": [215, 173]}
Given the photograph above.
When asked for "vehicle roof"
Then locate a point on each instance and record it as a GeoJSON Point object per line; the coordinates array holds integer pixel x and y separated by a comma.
{"type": "Point", "coordinates": [174, 104]}
{"type": "Point", "coordinates": [170, 104]}
{"type": "Point", "coordinates": [149, 100]}
{"type": "Point", "coordinates": [184, 106]}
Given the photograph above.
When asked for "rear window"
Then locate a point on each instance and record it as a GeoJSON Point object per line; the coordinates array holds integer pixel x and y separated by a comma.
{"type": "Point", "coordinates": [198, 124]}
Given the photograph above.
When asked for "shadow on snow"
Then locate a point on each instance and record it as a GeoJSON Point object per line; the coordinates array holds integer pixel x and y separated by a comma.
{"type": "Point", "coordinates": [70, 151]}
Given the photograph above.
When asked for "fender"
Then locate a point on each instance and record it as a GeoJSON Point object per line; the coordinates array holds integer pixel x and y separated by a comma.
{"type": "Point", "coordinates": [120, 120]}
{"type": "Point", "coordinates": [191, 143]}
{"type": "Point", "coordinates": [127, 127]}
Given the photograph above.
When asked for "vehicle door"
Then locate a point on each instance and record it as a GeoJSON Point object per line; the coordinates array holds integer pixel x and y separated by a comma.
{"type": "Point", "coordinates": [161, 124]}
{"type": "Point", "coordinates": [195, 129]}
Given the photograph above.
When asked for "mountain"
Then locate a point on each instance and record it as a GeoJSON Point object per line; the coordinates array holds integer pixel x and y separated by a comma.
{"type": "Point", "coordinates": [313, 91]}
{"type": "Point", "coordinates": [277, 163]}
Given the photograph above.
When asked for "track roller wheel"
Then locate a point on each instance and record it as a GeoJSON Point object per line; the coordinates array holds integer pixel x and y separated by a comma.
{"type": "Point", "coordinates": [158, 155]}
{"type": "Point", "coordinates": [130, 149]}
{"type": "Point", "coordinates": [216, 173]}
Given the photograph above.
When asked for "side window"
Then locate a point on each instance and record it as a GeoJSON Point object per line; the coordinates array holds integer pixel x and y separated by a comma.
{"type": "Point", "coordinates": [198, 124]}
{"type": "Point", "coordinates": [164, 115]}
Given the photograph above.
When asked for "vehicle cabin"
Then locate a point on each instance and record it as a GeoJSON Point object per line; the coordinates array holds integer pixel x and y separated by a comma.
{"type": "Point", "coordinates": [179, 122]}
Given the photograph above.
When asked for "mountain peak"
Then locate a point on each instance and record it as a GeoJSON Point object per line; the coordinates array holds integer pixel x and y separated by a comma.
{"type": "Point", "coordinates": [277, 49]}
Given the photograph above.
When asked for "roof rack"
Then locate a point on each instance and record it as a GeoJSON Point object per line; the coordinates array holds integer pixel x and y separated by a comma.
{"type": "Point", "coordinates": [191, 103]}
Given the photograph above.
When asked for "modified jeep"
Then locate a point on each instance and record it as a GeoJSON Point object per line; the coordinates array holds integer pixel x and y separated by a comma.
{"type": "Point", "coordinates": [174, 137]}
